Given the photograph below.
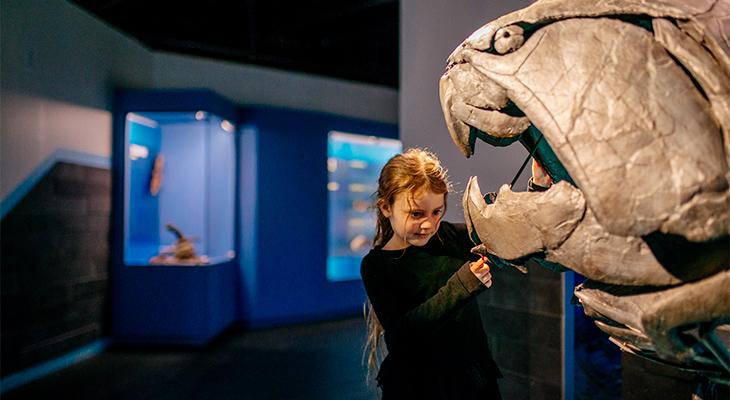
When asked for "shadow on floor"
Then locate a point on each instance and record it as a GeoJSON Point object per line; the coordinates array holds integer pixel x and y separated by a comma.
{"type": "Point", "coordinates": [318, 361]}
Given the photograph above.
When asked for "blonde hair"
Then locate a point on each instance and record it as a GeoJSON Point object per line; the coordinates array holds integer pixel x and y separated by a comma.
{"type": "Point", "coordinates": [413, 171]}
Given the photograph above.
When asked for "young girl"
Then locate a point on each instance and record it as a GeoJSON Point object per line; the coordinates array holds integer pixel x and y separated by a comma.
{"type": "Point", "coordinates": [421, 281]}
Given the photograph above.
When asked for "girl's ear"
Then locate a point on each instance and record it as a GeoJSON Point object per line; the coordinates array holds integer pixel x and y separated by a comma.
{"type": "Point", "coordinates": [385, 209]}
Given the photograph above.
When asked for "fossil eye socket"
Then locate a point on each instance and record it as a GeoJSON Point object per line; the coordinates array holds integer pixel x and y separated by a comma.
{"type": "Point", "coordinates": [508, 39]}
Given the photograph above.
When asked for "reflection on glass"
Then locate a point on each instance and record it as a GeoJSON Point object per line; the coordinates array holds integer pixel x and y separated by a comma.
{"type": "Point", "coordinates": [179, 188]}
{"type": "Point", "coordinates": [354, 163]}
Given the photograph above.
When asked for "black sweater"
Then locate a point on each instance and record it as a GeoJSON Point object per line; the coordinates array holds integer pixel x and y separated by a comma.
{"type": "Point", "coordinates": [425, 299]}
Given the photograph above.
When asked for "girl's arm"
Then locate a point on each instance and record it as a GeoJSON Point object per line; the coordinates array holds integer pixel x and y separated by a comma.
{"type": "Point", "coordinates": [404, 328]}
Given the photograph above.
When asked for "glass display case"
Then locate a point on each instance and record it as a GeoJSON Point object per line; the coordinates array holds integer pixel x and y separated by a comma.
{"type": "Point", "coordinates": [353, 163]}
{"type": "Point", "coordinates": [179, 188]}
{"type": "Point", "coordinates": [174, 186]}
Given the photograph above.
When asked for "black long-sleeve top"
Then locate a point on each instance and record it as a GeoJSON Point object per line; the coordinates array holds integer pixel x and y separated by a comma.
{"type": "Point", "coordinates": [425, 299]}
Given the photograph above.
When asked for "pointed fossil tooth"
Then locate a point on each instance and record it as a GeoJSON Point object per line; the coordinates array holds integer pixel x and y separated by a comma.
{"type": "Point", "coordinates": [465, 204]}
{"type": "Point", "coordinates": [458, 130]}
{"type": "Point", "coordinates": [472, 203]}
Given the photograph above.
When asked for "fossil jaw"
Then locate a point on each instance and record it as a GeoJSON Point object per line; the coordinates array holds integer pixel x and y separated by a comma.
{"type": "Point", "coordinates": [522, 223]}
{"type": "Point", "coordinates": [470, 100]}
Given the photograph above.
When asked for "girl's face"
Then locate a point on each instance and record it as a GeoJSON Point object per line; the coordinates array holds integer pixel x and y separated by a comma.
{"type": "Point", "coordinates": [414, 218]}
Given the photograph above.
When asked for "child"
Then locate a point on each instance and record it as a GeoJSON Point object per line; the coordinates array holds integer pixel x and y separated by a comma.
{"type": "Point", "coordinates": [421, 284]}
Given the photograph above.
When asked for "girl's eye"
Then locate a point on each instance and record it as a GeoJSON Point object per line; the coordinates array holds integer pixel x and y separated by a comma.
{"type": "Point", "coordinates": [438, 212]}
{"type": "Point", "coordinates": [416, 214]}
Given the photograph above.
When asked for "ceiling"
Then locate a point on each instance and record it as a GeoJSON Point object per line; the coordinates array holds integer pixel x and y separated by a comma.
{"type": "Point", "coordinates": [355, 40]}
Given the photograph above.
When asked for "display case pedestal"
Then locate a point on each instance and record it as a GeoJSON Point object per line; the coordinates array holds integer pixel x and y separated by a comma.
{"type": "Point", "coordinates": [186, 305]}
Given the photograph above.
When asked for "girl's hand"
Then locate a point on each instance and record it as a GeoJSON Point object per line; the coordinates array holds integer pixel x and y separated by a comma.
{"type": "Point", "coordinates": [480, 269]}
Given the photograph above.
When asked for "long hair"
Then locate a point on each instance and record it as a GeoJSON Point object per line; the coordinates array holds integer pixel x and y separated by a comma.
{"type": "Point", "coordinates": [410, 172]}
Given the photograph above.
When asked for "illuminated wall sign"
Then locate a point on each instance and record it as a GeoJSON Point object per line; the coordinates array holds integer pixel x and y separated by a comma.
{"type": "Point", "coordinates": [353, 163]}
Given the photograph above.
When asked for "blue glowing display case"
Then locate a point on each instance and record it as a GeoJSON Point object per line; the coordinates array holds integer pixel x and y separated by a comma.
{"type": "Point", "coordinates": [174, 173]}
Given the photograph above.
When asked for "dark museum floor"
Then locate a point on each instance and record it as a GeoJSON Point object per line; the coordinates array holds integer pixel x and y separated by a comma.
{"type": "Point", "coordinates": [318, 361]}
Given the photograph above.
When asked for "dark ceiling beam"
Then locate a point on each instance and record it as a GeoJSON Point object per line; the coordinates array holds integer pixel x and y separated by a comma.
{"type": "Point", "coordinates": [251, 27]}
{"type": "Point", "coordinates": [106, 5]}
{"type": "Point", "coordinates": [345, 10]}
{"type": "Point", "coordinates": [347, 39]}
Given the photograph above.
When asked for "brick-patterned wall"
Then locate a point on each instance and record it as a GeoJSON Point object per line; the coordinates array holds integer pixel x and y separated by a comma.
{"type": "Point", "coordinates": [522, 317]}
{"type": "Point", "coordinates": [54, 267]}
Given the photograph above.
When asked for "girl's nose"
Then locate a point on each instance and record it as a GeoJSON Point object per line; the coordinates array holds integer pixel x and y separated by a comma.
{"type": "Point", "coordinates": [428, 223]}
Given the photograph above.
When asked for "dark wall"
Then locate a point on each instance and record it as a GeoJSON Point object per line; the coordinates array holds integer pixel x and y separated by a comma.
{"type": "Point", "coordinates": [522, 317]}
{"type": "Point", "coordinates": [54, 266]}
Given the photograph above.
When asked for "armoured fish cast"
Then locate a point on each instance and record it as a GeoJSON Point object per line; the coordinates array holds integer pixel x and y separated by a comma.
{"type": "Point", "coordinates": [632, 100]}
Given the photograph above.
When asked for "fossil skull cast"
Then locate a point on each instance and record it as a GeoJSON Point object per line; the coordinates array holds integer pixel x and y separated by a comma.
{"type": "Point", "coordinates": [626, 104]}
